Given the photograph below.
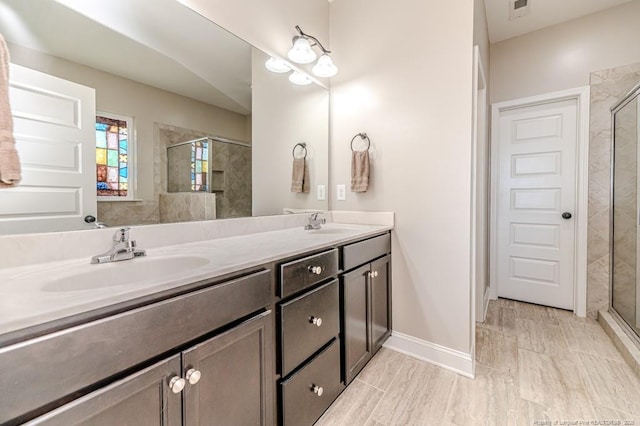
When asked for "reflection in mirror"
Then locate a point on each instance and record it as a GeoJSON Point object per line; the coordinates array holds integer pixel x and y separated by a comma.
{"type": "Point", "coordinates": [625, 220]}
{"type": "Point", "coordinates": [192, 80]}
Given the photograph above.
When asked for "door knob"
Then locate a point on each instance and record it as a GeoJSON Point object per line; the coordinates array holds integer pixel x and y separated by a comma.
{"type": "Point", "coordinates": [566, 215]}
{"type": "Point", "coordinates": [193, 376]}
{"type": "Point", "coordinates": [176, 384]}
{"type": "Point", "coordinates": [315, 269]}
{"type": "Point", "coordinates": [315, 321]}
{"type": "Point", "coordinates": [318, 390]}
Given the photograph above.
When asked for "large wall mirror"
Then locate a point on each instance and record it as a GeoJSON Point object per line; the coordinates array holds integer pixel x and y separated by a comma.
{"type": "Point", "coordinates": [185, 122]}
{"type": "Point", "coordinates": [625, 216]}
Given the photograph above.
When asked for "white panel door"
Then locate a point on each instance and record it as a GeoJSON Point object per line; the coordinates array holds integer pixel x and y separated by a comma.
{"type": "Point", "coordinates": [537, 185]}
{"type": "Point", "coordinates": [54, 128]}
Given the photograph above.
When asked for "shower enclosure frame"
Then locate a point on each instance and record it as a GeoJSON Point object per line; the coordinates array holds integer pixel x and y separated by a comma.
{"type": "Point", "coordinates": [210, 159]}
{"type": "Point", "coordinates": [633, 94]}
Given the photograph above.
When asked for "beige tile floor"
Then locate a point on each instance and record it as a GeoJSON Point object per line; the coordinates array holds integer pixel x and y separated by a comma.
{"type": "Point", "coordinates": [535, 366]}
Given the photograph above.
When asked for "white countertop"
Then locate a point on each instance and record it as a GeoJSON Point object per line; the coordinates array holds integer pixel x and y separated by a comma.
{"type": "Point", "coordinates": [37, 294]}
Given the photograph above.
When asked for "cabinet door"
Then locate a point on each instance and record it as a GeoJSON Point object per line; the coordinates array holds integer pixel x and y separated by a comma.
{"type": "Point", "coordinates": [236, 376]}
{"type": "Point", "coordinates": [144, 398]}
{"type": "Point", "coordinates": [357, 344]}
{"type": "Point", "coordinates": [380, 297]}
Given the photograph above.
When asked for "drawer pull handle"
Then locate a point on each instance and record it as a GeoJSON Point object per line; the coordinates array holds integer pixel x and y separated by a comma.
{"type": "Point", "coordinates": [315, 321]}
{"type": "Point", "coordinates": [176, 384]}
{"type": "Point", "coordinates": [193, 376]}
{"type": "Point", "coordinates": [315, 269]}
{"type": "Point", "coordinates": [317, 390]}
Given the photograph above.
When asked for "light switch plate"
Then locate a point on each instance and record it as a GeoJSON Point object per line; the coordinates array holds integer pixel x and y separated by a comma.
{"type": "Point", "coordinates": [341, 192]}
{"type": "Point", "coordinates": [322, 193]}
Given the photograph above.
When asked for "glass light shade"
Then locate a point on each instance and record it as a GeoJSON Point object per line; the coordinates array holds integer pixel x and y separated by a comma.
{"type": "Point", "coordinates": [325, 67]}
{"type": "Point", "coordinates": [299, 78]}
{"type": "Point", "coordinates": [301, 52]}
{"type": "Point", "coordinates": [277, 65]}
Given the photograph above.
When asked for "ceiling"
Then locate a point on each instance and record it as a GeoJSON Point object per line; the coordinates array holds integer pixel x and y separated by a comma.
{"type": "Point", "coordinates": [542, 13]}
{"type": "Point", "coordinates": [160, 43]}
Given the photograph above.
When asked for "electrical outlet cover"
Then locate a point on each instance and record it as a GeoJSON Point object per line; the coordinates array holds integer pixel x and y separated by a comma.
{"type": "Point", "coordinates": [341, 192]}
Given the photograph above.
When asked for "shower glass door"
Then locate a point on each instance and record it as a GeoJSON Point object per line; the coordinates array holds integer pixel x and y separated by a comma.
{"type": "Point", "coordinates": [625, 286]}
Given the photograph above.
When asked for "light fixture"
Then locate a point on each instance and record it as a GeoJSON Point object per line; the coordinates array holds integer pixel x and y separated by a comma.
{"type": "Point", "coordinates": [277, 65]}
{"type": "Point", "coordinates": [302, 53]}
{"type": "Point", "coordinates": [299, 78]}
{"type": "Point", "coordinates": [325, 67]}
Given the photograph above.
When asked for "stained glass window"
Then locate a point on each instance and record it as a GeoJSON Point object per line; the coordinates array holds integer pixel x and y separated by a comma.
{"type": "Point", "coordinates": [112, 156]}
{"type": "Point", "coordinates": [199, 165]}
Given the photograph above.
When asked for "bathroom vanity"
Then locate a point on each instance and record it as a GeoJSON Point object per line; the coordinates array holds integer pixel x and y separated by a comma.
{"type": "Point", "coordinates": [269, 331]}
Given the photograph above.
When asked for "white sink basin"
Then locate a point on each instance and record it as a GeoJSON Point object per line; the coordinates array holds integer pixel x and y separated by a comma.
{"type": "Point", "coordinates": [126, 273]}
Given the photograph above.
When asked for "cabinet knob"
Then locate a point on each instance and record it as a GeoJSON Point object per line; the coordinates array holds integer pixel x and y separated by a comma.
{"type": "Point", "coordinates": [176, 384]}
{"type": "Point", "coordinates": [193, 376]}
{"type": "Point", "coordinates": [315, 269]}
{"type": "Point", "coordinates": [373, 274]}
{"type": "Point", "coordinates": [315, 321]}
{"type": "Point", "coordinates": [317, 390]}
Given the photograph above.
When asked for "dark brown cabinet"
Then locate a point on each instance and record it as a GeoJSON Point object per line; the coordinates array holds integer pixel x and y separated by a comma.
{"type": "Point", "coordinates": [379, 282]}
{"type": "Point", "coordinates": [307, 393]}
{"type": "Point", "coordinates": [224, 380]}
{"type": "Point", "coordinates": [308, 344]}
{"type": "Point", "coordinates": [366, 297]}
{"type": "Point", "coordinates": [357, 343]}
{"type": "Point", "coordinates": [308, 322]}
{"type": "Point", "coordinates": [144, 398]}
{"type": "Point", "coordinates": [262, 348]}
{"type": "Point", "coordinates": [235, 377]}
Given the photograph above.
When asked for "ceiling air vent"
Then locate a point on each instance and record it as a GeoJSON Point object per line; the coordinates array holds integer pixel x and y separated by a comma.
{"type": "Point", "coordinates": [518, 9]}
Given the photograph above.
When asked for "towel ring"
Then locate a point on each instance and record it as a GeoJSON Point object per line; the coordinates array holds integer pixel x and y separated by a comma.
{"type": "Point", "coordinates": [362, 136]}
{"type": "Point", "coordinates": [301, 144]}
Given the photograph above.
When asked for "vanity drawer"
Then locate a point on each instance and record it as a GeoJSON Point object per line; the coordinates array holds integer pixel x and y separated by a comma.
{"type": "Point", "coordinates": [302, 273]}
{"type": "Point", "coordinates": [307, 323]}
{"type": "Point", "coordinates": [69, 360]}
{"type": "Point", "coordinates": [363, 252]}
{"type": "Point", "coordinates": [300, 404]}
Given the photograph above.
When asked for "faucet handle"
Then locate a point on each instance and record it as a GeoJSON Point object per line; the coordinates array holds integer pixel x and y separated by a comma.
{"type": "Point", "coordinates": [121, 235]}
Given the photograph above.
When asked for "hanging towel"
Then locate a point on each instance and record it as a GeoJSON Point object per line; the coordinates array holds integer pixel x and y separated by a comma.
{"type": "Point", "coordinates": [300, 176]}
{"type": "Point", "coordinates": [9, 160]}
{"type": "Point", "coordinates": [359, 171]}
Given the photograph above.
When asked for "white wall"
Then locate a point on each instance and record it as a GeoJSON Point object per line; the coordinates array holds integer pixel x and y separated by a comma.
{"type": "Point", "coordinates": [562, 56]}
{"type": "Point", "coordinates": [289, 114]}
{"type": "Point", "coordinates": [406, 79]}
{"type": "Point", "coordinates": [269, 25]}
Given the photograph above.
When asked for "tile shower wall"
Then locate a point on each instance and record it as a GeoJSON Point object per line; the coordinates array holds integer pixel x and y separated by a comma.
{"type": "Point", "coordinates": [607, 88]}
{"type": "Point", "coordinates": [231, 179]}
{"type": "Point", "coordinates": [187, 206]}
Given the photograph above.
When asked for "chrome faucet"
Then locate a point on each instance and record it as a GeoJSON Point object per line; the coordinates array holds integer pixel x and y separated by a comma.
{"type": "Point", "coordinates": [314, 222]}
{"type": "Point", "coordinates": [123, 249]}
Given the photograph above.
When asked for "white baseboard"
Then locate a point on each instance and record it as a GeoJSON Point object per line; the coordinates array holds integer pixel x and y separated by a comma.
{"type": "Point", "coordinates": [459, 362]}
{"type": "Point", "coordinates": [486, 304]}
